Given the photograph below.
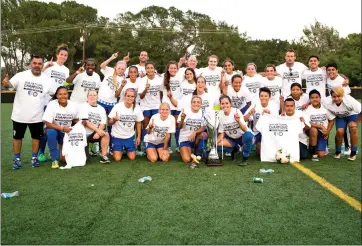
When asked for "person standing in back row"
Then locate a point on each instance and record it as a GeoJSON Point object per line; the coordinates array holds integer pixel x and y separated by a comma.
{"type": "Point", "coordinates": [32, 88]}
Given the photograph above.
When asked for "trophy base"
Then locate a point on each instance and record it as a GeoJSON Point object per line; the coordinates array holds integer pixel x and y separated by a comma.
{"type": "Point", "coordinates": [213, 163]}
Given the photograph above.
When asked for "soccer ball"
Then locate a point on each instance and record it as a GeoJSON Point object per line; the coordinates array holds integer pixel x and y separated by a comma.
{"type": "Point", "coordinates": [282, 156]}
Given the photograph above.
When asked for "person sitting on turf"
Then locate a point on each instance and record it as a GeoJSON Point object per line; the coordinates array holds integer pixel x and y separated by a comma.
{"type": "Point", "coordinates": [158, 135]}
{"type": "Point", "coordinates": [191, 125]}
{"type": "Point", "coordinates": [58, 117]}
{"type": "Point", "coordinates": [322, 121]}
{"type": "Point", "coordinates": [348, 112]}
{"type": "Point", "coordinates": [94, 119]}
{"type": "Point", "coordinates": [123, 117]}
{"type": "Point", "coordinates": [233, 129]}
{"type": "Point", "coordinates": [262, 106]}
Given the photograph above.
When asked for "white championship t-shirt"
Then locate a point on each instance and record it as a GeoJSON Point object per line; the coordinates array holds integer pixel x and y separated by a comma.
{"type": "Point", "coordinates": [107, 88]}
{"type": "Point", "coordinates": [212, 78]}
{"type": "Point", "coordinates": [183, 69]}
{"type": "Point", "coordinates": [134, 85]}
{"type": "Point", "coordinates": [239, 99]}
{"type": "Point", "coordinates": [315, 80]}
{"type": "Point", "coordinates": [272, 107]}
{"type": "Point", "coordinates": [125, 127]}
{"type": "Point", "coordinates": [152, 99]}
{"type": "Point", "coordinates": [61, 116]}
{"type": "Point", "coordinates": [303, 138]}
{"type": "Point", "coordinates": [58, 74]}
{"type": "Point", "coordinates": [349, 106]}
{"type": "Point", "coordinates": [73, 146]}
{"type": "Point", "coordinates": [229, 126]}
{"type": "Point", "coordinates": [279, 133]}
{"type": "Point", "coordinates": [82, 84]}
{"type": "Point", "coordinates": [95, 115]}
{"type": "Point", "coordinates": [187, 88]}
{"type": "Point", "coordinates": [304, 99]}
{"type": "Point", "coordinates": [208, 102]}
{"type": "Point", "coordinates": [229, 76]}
{"type": "Point", "coordinates": [275, 86]}
{"type": "Point", "coordinates": [141, 69]}
{"type": "Point", "coordinates": [31, 94]}
{"type": "Point", "coordinates": [161, 127]}
{"type": "Point", "coordinates": [338, 81]}
{"type": "Point", "coordinates": [319, 116]}
{"type": "Point", "coordinates": [290, 76]}
{"type": "Point", "coordinates": [193, 122]}
{"type": "Point", "coordinates": [253, 84]}
{"type": "Point", "coordinates": [176, 91]}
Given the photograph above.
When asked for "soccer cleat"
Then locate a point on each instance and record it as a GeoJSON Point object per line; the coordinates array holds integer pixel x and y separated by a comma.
{"type": "Point", "coordinates": [65, 167]}
{"type": "Point", "coordinates": [352, 158]}
{"type": "Point", "coordinates": [243, 163]}
{"type": "Point", "coordinates": [337, 156]}
{"type": "Point", "coordinates": [55, 164]}
{"type": "Point", "coordinates": [35, 162]}
{"type": "Point", "coordinates": [170, 150]}
{"type": "Point", "coordinates": [315, 158]}
{"type": "Point", "coordinates": [17, 163]}
{"type": "Point", "coordinates": [42, 158]}
{"type": "Point", "coordinates": [104, 160]}
{"type": "Point", "coordinates": [227, 153]}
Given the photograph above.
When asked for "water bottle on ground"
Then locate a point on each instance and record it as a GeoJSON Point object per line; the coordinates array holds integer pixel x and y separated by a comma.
{"type": "Point", "coordinates": [9, 195]}
{"type": "Point", "coordinates": [267, 171]}
{"type": "Point", "coordinates": [144, 179]}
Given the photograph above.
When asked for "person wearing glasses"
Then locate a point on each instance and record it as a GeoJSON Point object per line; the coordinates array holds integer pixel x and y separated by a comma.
{"type": "Point", "coordinates": [291, 71]}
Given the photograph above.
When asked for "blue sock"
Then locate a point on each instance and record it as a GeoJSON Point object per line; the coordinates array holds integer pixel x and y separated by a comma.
{"type": "Point", "coordinates": [177, 136]}
{"type": "Point", "coordinates": [33, 154]}
{"type": "Point", "coordinates": [354, 148]}
{"type": "Point", "coordinates": [17, 156]}
{"type": "Point", "coordinates": [339, 148]}
{"type": "Point", "coordinates": [247, 143]}
{"type": "Point", "coordinates": [143, 134]}
{"type": "Point", "coordinates": [53, 143]}
{"type": "Point", "coordinates": [109, 129]}
{"type": "Point", "coordinates": [43, 144]}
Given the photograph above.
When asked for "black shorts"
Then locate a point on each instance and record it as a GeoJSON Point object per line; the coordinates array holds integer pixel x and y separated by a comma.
{"type": "Point", "coordinates": [90, 138]}
{"type": "Point", "coordinates": [36, 130]}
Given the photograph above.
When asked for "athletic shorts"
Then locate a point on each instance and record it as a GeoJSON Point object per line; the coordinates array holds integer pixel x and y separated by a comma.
{"type": "Point", "coordinates": [107, 106]}
{"type": "Point", "coordinates": [150, 113]}
{"type": "Point", "coordinates": [321, 142]}
{"type": "Point", "coordinates": [154, 146]}
{"type": "Point", "coordinates": [188, 144]}
{"type": "Point", "coordinates": [303, 151]}
{"type": "Point", "coordinates": [343, 122]}
{"type": "Point", "coordinates": [128, 144]}
{"type": "Point", "coordinates": [36, 130]}
{"type": "Point", "coordinates": [234, 142]}
{"type": "Point", "coordinates": [175, 112]}
{"type": "Point", "coordinates": [257, 138]}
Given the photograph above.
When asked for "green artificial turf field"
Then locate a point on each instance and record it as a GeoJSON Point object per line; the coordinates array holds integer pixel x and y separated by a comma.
{"type": "Point", "coordinates": [104, 204]}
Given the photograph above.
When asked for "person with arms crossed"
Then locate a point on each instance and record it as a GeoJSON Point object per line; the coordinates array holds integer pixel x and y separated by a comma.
{"type": "Point", "coordinates": [124, 117]}
{"type": "Point", "coordinates": [32, 89]}
{"type": "Point", "coordinates": [94, 118]}
{"type": "Point", "coordinates": [58, 73]}
{"type": "Point", "coordinates": [348, 113]}
{"type": "Point", "coordinates": [58, 118]}
{"type": "Point", "coordinates": [158, 135]}
{"type": "Point", "coordinates": [84, 81]}
{"type": "Point", "coordinates": [233, 130]}
{"type": "Point", "coordinates": [322, 121]}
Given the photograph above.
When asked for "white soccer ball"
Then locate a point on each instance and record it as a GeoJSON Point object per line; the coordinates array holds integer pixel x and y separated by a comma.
{"type": "Point", "coordinates": [284, 159]}
{"type": "Point", "coordinates": [278, 155]}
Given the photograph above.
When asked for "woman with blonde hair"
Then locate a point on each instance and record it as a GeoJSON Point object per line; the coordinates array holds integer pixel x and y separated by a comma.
{"type": "Point", "coordinates": [348, 113]}
{"type": "Point", "coordinates": [158, 135]}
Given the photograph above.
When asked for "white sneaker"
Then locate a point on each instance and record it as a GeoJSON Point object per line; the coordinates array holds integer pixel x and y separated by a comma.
{"type": "Point", "coordinates": [353, 158]}
{"type": "Point", "coordinates": [65, 167]}
{"type": "Point", "coordinates": [227, 153]}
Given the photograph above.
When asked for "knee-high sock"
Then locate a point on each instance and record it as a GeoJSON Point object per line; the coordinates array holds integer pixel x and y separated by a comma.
{"type": "Point", "coordinates": [143, 134]}
{"type": "Point", "coordinates": [109, 129]}
{"type": "Point", "coordinates": [177, 137]}
{"type": "Point", "coordinates": [53, 143]}
{"type": "Point", "coordinates": [247, 143]}
{"type": "Point", "coordinates": [43, 144]}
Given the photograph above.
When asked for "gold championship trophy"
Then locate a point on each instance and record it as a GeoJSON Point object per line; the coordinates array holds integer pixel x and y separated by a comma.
{"type": "Point", "coordinates": [212, 124]}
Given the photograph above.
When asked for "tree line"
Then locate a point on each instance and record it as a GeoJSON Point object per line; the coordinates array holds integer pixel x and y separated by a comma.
{"type": "Point", "coordinates": [31, 27]}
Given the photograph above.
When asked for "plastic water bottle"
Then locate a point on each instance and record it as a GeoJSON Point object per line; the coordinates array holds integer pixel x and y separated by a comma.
{"type": "Point", "coordinates": [9, 195]}
{"type": "Point", "coordinates": [144, 179]}
{"type": "Point", "coordinates": [267, 171]}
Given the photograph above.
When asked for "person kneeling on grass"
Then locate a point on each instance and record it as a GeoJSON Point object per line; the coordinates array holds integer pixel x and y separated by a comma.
{"type": "Point", "coordinates": [233, 130]}
{"type": "Point", "coordinates": [94, 119]}
{"type": "Point", "coordinates": [123, 118]}
{"type": "Point", "coordinates": [58, 118]}
{"type": "Point", "coordinates": [158, 135]}
{"type": "Point", "coordinates": [348, 112]}
{"type": "Point", "coordinates": [322, 121]}
{"type": "Point", "coordinates": [190, 121]}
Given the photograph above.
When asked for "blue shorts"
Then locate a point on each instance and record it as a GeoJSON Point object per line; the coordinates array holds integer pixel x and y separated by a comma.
{"type": "Point", "coordinates": [257, 138]}
{"type": "Point", "coordinates": [154, 146]}
{"type": "Point", "coordinates": [128, 144]}
{"type": "Point", "coordinates": [234, 142]}
{"type": "Point", "coordinates": [343, 122]}
{"type": "Point", "coordinates": [321, 142]}
{"type": "Point", "coordinates": [150, 113]}
{"type": "Point", "coordinates": [107, 106]}
{"type": "Point", "coordinates": [187, 144]}
{"type": "Point", "coordinates": [175, 112]}
{"type": "Point", "coordinates": [243, 110]}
